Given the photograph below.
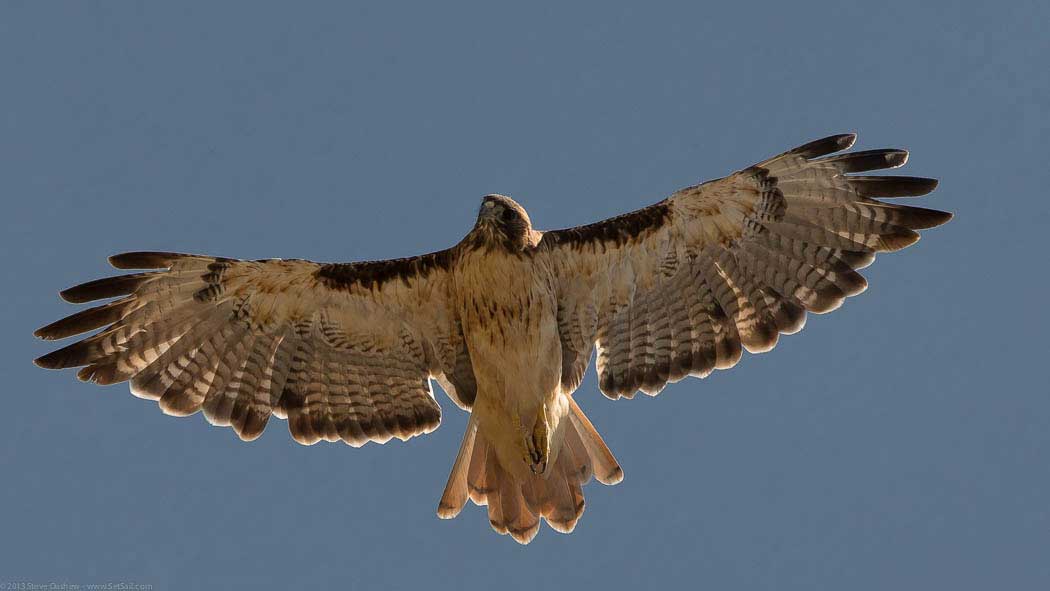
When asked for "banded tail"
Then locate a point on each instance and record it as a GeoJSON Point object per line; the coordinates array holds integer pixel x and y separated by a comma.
{"type": "Point", "coordinates": [515, 507]}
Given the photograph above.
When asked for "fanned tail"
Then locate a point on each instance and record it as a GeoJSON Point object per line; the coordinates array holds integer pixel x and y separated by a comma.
{"type": "Point", "coordinates": [515, 507]}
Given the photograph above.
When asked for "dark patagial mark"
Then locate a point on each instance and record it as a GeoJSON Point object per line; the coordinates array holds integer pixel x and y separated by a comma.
{"type": "Point", "coordinates": [373, 274]}
{"type": "Point", "coordinates": [615, 231]}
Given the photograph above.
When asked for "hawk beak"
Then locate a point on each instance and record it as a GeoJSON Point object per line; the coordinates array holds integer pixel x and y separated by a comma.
{"type": "Point", "coordinates": [487, 213]}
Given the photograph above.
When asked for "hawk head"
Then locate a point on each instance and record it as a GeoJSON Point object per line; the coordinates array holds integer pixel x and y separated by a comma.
{"type": "Point", "coordinates": [502, 222]}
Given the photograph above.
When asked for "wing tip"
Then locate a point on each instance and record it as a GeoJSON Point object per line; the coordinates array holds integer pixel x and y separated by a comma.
{"type": "Point", "coordinates": [104, 288]}
{"type": "Point", "coordinates": [145, 259]}
{"type": "Point", "coordinates": [846, 140]}
{"type": "Point", "coordinates": [939, 218]}
{"type": "Point", "coordinates": [72, 295]}
{"type": "Point", "coordinates": [896, 158]}
{"type": "Point", "coordinates": [926, 185]}
{"type": "Point", "coordinates": [48, 361]}
{"type": "Point", "coordinates": [826, 145]}
{"type": "Point", "coordinates": [43, 333]}
{"type": "Point", "coordinates": [920, 218]}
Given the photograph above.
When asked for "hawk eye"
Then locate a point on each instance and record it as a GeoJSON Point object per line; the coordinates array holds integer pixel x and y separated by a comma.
{"type": "Point", "coordinates": [508, 215]}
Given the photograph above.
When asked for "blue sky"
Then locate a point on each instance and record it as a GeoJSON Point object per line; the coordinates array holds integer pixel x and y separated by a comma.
{"type": "Point", "coordinates": [900, 442]}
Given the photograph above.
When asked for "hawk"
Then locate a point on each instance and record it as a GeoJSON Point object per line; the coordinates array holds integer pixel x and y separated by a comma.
{"type": "Point", "coordinates": [506, 321]}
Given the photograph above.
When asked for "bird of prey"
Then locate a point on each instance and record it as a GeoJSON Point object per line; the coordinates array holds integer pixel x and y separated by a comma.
{"type": "Point", "coordinates": [506, 321]}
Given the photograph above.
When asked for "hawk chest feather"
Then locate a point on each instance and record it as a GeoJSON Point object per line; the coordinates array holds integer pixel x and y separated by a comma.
{"type": "Point", "coordinates": [508, 309]}
{"type": "Point", "coordinates": [507, 305]}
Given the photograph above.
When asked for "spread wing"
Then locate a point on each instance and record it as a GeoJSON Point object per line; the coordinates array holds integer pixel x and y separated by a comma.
{"type": "Point", "coordinates": [679, 287]}
{"type": "Point", "coordinates": [343, 351]}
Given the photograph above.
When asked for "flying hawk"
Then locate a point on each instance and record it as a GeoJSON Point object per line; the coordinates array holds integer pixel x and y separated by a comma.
{"type": "Point", "coordinates": [506, 321]}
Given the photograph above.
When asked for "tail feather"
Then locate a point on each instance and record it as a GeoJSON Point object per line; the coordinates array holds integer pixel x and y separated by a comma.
{"type": "Point", "coordinates": [606, 469]}
{"type": "Point", "coordinates": [456, 490]}
{"type": "Point", "coordinates": [479, 484]}
{"type": "Point", "coordinates": [516, 506]}
{"type": "Point", "coordinates": [537, 496]}
{"type": "Point", "coordinates": [508, 513]}
{"type": "Point", "coordinates": [580, 460]}
{"type": "Point", "coordinates": [568, 502]}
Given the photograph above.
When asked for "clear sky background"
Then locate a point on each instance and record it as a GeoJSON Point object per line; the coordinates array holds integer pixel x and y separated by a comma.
{"type": "Point", "coordinates": [902, 442]}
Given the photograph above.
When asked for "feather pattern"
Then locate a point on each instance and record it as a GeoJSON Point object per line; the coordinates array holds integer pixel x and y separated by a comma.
{"type": "Point", "coordinates": [346, 351]}
{"type": "Point", "coordinates": [728, 265]}
{"type": "Point", "coordinates": [515, 506]}
{"type": "Point", "coordinates": [345, 357]}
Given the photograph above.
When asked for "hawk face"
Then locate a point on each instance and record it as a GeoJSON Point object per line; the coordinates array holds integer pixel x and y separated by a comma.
{"type": "Point", "coordinates": [502, 222]}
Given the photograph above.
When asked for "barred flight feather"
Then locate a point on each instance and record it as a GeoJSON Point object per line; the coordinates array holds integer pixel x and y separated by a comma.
{"type": "Point", "coordinates": [761, 248]}
{"type": "Point", "coordinates": [240, 340]}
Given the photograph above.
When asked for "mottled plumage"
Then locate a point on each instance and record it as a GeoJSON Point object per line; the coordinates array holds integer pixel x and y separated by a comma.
{"type": "Point", "coordinates": [506, 321]}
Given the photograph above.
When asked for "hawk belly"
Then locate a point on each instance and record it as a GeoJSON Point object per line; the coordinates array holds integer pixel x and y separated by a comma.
{"type": "Point", "coordinates": [509, 313]}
